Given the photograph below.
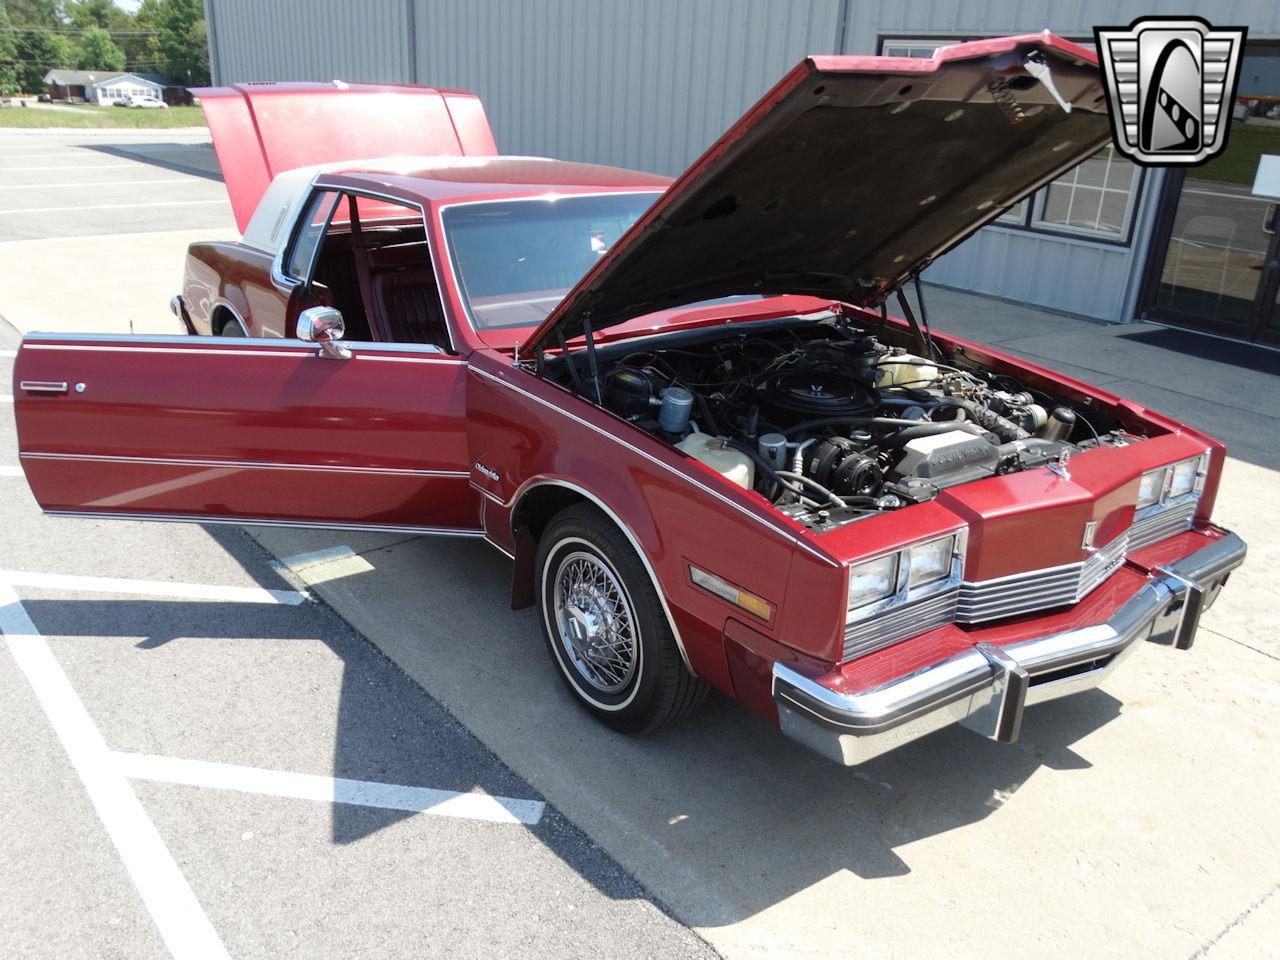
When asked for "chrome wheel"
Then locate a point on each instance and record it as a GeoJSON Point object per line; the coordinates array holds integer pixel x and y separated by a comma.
{"type": "Point", "coordinates": [595, 621]}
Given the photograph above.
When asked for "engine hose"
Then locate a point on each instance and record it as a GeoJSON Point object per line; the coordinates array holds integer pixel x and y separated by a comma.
{"type": "Point", "coordinates": [709, 420]}
{"type": "Point", "coordinates": [887, 423]}
{"type": "Point", "coordinates": [834, 498]}
{"type": "Point", "coordinates": [770, 471]}
{"type": "Point", "coordinates": [1003, 428]}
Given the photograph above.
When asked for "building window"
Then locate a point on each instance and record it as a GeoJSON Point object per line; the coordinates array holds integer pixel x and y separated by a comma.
{"type": "Point", "coordinates": [1095, 199]}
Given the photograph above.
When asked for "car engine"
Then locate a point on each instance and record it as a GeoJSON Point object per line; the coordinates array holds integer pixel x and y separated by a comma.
{"type": "Point", "coordinates": [833, 425]}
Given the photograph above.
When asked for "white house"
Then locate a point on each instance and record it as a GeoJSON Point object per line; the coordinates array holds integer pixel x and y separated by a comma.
{"type": "Point", "coordinates": [102, 86]}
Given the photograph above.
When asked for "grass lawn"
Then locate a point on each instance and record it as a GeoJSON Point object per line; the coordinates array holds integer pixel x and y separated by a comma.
{"type": "Point", "coordinates": [83, 115]}
{"type": "Point", "coordinates": [1239, 162]}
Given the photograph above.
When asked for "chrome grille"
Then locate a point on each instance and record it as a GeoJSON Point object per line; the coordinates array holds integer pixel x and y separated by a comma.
{"type": "Point", "coordinates": [864, 636]}
{"type": "Point", "coordinates": [1163, 524]}
{"type": "Point", "coordinates": [1034, 590]}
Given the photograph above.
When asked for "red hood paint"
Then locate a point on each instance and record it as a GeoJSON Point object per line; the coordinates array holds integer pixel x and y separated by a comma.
{"type": "Point", "coordinates": [262, 129]}
{"type": "Point", "coordinates": [849, 177]}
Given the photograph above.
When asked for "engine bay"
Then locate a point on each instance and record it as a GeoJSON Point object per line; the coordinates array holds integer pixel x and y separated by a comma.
{"type": "Point", "coordinates": [833, 422]}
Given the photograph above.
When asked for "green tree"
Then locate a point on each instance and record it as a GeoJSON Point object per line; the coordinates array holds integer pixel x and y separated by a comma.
{"type": "Point", "coordinates": [97, 13]}
{"type": "Point", "coordinates": [34, 13]}
{"type": "Point", "coordinates": [184, 45]}
{"type": "Point", "coordinates": [95, 50]}
{"type": "Point", "coordinates": [141, 42]}
{"type": "Point", "coordinates": [8, 55]}
{"type": "Point", "coordinates": [38, 52]}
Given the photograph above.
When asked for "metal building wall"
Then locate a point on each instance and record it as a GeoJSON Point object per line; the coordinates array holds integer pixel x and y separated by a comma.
{"type": "Point", "coordinates": [649, 83]}
{"type": "Point", "coordinates": [309, 40]}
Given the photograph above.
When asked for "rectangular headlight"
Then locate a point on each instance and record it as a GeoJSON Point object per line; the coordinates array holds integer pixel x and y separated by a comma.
{"type": "Point", "coordinates": [1151, 487]}
{"type": "Point", "coordinates": [873, 580]}
{"type": "Point", "coordinates": [929, 562]}
{"type": "Point", "coordinates": [1184, 477]}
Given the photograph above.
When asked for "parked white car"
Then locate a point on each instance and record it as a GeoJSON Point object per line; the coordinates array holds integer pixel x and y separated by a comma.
{"type": "Point", "coordinates": [147, 103]}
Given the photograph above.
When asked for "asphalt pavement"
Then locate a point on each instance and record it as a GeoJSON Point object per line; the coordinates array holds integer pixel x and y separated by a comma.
{"type": "Point", "coordinates": [1139, 820]}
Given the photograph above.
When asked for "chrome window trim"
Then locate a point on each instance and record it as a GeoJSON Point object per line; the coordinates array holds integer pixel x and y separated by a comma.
{"type": "Point", "coordinates": [289, 283]}
{"type": "Point", "coordinates": [550, 195]}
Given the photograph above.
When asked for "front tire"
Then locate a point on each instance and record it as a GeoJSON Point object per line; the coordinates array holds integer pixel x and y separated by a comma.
{"type": "Point", "coordinates": [605, 627]}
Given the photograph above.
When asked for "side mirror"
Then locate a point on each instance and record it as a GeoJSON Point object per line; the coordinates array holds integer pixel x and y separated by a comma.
{"type": "Point", "coordinates": [323, 325]}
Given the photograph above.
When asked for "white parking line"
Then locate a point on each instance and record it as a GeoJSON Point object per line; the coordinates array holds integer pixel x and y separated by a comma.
{"type": "Point", "coordinates": [308, 786]}
{"type": "Point", "coordinates": [151, 588]}
{"type": "Point", "coordinates": [115, 206]}
{"type": "Point", "coordinates": [6, 398]}
{"type": "Point", "coordinates": [79, 166]}
{"type": "Point", "coordinates": [321, 566]}
{"type": "Point", "coordinates": [8, 353]}
{"type": "Point", "coordinates": [182, 922]}
{"type": "Point", "coordinates": [88, 183]}
{"type": "Point", "coordinates": [10, 471]}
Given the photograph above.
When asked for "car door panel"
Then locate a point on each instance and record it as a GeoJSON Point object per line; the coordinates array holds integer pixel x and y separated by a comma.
{"type": "Point", "coordinates": [254, 430]}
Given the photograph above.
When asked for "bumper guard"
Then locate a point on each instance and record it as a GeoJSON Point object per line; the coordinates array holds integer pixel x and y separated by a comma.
{"type": "Point", "coordinates": [987, 688]}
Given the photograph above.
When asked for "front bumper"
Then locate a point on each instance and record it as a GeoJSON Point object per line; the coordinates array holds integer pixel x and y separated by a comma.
{"type": "Point", "coordinates": [986, 688]}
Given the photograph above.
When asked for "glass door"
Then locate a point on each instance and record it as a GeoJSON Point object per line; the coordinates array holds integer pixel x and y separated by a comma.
{"type": "Point", "coordinates": [1213, 262]}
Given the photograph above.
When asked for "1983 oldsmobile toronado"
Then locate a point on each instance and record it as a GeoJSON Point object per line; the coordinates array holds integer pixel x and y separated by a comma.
{"type": "Point", "coordinates": [682, 408]}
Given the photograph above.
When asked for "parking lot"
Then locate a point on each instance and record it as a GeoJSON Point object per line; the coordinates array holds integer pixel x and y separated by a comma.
{"type": "Point", "coordinates": [301, 743]}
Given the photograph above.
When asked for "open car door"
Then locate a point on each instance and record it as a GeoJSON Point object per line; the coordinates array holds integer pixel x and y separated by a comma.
{"type": "Point", "coordinates": [245, 431]}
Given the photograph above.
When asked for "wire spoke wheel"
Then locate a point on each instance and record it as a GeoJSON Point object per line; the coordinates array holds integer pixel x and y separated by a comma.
{"type": "Point", "coordinates": [596, 624]}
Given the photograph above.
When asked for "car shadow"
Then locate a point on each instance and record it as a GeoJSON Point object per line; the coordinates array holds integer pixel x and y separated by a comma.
{"type": "Point", "coordinates": [720, 817]}
{"type": "Point", "coordinates": [195, 159]}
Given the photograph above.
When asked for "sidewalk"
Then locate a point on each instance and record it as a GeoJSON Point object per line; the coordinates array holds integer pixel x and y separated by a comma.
{"type": "Point", "coordinates": [1230, 390]}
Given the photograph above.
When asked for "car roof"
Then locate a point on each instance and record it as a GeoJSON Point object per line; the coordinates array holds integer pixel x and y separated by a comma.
{"type": "Point", "coordinates": [432, 180]}
{"type": "Point", "coordinates": [449, 178]}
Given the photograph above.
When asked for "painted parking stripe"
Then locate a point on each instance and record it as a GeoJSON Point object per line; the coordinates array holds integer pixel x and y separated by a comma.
{"type": "Point", "coordinates": [150, 588]}
{"type": "Point", "coordinates": [308, 786]}
{"type": "Point", "coordinates": [183, 924]}
{"type": "Point", "coordinates": [8, 353]}
{"type": "Point", "coordinates": [78, 166]}
{"type": "Point", "coordinates": [10, 471]}
{"type": "Point", "coordinates": [321, 566]}
{"type": "Point", "coordinates": [6, 398]}
{"type": "Point", "coordinates": [114, 206]}
{"type": "Point", "coordinates": [90, 183]}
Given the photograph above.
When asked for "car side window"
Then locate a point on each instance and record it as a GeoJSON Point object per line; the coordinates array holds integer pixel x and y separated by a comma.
{"type": "Point", "coordinates": [315, 220]}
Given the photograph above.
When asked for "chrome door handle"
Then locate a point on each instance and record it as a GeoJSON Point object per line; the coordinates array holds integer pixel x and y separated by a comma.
{"type": "Point", "coordinates": [43, 386]}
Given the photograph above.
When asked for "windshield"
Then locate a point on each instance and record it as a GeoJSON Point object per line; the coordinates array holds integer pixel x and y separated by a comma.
{"type": "Point", "coordinates": [516, 259]}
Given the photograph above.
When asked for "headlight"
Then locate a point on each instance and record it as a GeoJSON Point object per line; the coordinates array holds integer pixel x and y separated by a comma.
{"type": "Point", "coordinates": [1152, 487]}
{"type": "Point", "coordinates": [1172, 482]}
{"type": "Point", "coordinates": [911, 573]}
{"type": "Point", "coordinates": [1184, 478]}
{"type": "Point", "coordinates": [929, 562]}
{"type": "Point", "coordinates": [873, 580]}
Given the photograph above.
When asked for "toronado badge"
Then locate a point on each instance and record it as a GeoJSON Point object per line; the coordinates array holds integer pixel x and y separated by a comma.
{"type": "Point", "coordinates": [1170, 83]}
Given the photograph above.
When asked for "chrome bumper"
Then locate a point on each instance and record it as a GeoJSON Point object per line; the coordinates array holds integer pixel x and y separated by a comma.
{"type": "Point", "coordinates": [987, 688]}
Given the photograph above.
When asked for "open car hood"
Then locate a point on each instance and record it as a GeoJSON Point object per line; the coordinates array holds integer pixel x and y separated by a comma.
{"type": "Point", "coordinates": [850, 176]}
{"type": "Point", "coordinates": [262, 129]}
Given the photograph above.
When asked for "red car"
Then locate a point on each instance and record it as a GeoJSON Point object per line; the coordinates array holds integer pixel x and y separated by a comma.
{"type": "Point", "coordinates": [682, 409]}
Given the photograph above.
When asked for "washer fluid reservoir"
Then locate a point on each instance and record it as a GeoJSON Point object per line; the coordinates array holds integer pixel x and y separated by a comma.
{"type": "Point", "coordinates": [906, 370]}
{"type": "Point", "coordinates": [733, 464]}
